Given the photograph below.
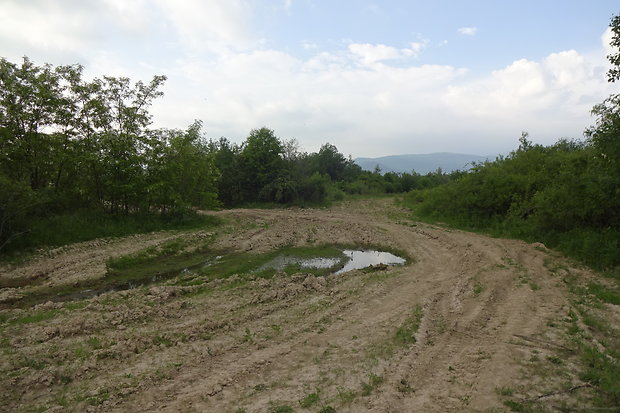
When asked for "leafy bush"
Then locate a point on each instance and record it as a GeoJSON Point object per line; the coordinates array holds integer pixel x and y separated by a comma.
{"type": "Point", "coordinates": [560, 195]}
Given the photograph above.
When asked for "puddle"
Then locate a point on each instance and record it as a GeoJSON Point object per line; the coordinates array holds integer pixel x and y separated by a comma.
{"type": "Point", "coordinates": [281, 262]}
{"type": "Point", "coordinates": [358, 259]}
{"type": "Point", "coordinates": [353, 260]}
{"type": "Point", "coordinates": [350, 260]}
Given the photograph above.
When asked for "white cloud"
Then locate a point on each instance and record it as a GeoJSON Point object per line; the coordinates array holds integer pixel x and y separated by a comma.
{"type": "Point", "coordinates": [366, 98]}
{"type": "Point", "coordinates": [416, 47]}
{"type": "Point", "coordinates": [41, 25]}
{"type": "Point", "coordinates": [606, 41]}
{"type": "Point", "coordinates": [372, 53]}
{"type": "Point", "coordinates": [134, 16]}
{"type": "Point", "coordinates": [468, 31]}
{"type": "Point", "coordinates": [316, 100]}
{"type": "Point", "coordinates": [210, 26]}
{"type": "Point", "coordinates": [551, 98]}
{"type": "Point", "coordinates": [380, 109]}
{"type": "Point", "coordinates": [82, 28]}
{"type": "Point", "coordinates": [309, 45]}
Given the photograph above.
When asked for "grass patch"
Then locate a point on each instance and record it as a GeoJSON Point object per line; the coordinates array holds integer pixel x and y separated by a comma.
{"type": "Point", "coordinates": [521, 407]}
{"type": "Point", "coordinates": [161, 340]}
{"type": "Point", "coordinates": [504, 391]}
{"type": "Point", "coordinates": [35, 317]}
{"type": "Point", "coordinates": [126, 272]}
{"type": "Point", "coordinates": [603, 372]}
{"type": "Point", "coordinates": [605, 294]}
{"type": "Point", "coordinates": [33, 364]}
{"type": "Point", "coordinates": [555, 360]}
{"type": "Point", "coordinates": [168, 259]}
{"type": "Point", "coordinates": [405, 334]}
{"type": "Point", "coordinates": [281, 408]}
{"type": "Point", "coordinates": [478, 287]}
{"type": "Point", "coordinates": [346, 396]}
{"type": "Point", "coordinates": [373, 382]}
{"type": "Point", "coordinates": [309, 400]}
{"type": "Point", "coordinates": [130, 261]}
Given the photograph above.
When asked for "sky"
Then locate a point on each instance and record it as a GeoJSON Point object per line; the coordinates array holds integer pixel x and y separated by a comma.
{"type": "Point", "coordinates": [372, 77]}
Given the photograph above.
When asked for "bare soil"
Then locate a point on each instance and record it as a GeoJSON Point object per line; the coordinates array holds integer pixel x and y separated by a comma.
{"type": "Point", "coordinates": [492, 312]}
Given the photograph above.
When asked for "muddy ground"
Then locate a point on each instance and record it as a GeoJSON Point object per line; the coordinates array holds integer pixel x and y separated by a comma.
{"type": "Point", "coordinates": [485, 320]}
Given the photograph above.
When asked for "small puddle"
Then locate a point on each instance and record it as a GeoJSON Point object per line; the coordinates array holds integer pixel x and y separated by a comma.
{"type": "Point", "coordinates": [350, 260]}
{"type": "Point", "coordinates": [353, 260]}
{"type": "Point", "coordinates": [359, 259]}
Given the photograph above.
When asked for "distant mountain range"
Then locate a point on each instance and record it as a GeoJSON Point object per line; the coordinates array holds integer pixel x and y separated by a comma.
{"type": "Point", "coordinates": [422, 164]}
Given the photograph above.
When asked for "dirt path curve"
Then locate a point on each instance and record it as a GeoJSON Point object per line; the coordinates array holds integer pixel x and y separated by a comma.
{"type": "Point", "coordinates": [308, 343]}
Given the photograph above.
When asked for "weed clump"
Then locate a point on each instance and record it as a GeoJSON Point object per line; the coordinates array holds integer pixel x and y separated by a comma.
{"type": "Point", "coordinates": [405, 334]}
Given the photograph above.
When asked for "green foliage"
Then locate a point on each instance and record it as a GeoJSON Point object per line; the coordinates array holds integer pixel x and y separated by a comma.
{"type": "Point", "coordinates": [87, 224]}
{"type": "Point", "coordinates": [268, 170]}
{"type": "Point", "coordinates": [281, 408]}
{"type": "Point", "coordinates": [605, 294]}
{"type": "Point", "coordinates": [261, 165]}
{"type": "Point", "coordinates": [309, 400]}
{"type": "Point", "coordinates": [614, 59]}
{"type": "Point", "coordinates": [68, 144]}
{"type": "Point", "coordinates": [504, 391]}
{"type": "Point", "coordinates": [153, 263]}
{"type": "Point", "coordinates": [603, 372]}
{"type": "Point", "coordinates": [561, 195]}
{"type": "Point", "coordinates": [36, 317]}
{"type": "Point", "coordinates": [15, 204]}
{"type": "Point", "coordinates": [373, 382]}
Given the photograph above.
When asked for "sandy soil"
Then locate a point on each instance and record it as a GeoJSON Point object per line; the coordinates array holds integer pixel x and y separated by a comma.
{"type": "Point", "coordinates": [491, 308]}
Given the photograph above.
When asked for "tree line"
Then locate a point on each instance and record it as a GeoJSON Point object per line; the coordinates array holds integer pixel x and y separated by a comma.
{"type": "Point", "coordinates": [70, 144]}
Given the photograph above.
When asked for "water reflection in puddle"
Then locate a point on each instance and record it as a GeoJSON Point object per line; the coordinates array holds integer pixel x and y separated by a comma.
{"type": "Point", "coordinates": [353, 260]}
{"type": "Point", "coordinates": [359, 259]}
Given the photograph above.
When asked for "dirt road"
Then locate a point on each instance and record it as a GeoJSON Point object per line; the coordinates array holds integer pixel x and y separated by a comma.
{"type": "Point", "coordinates": [488, 317]}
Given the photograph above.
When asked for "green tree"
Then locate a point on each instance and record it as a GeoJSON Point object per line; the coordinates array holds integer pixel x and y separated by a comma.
{"type": "Point", "coordinates": [121, 140]}
{"type": "Point", "coordinates": [182, 172]}
{"type": "Point", "coordinates": [261, 163]}
{"type": "Point", "coordinates": [226, 156]}
{"type": "Point", "coordinates": [30, 97]}
{"type": "Point", "coordinates": [331, 162]}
